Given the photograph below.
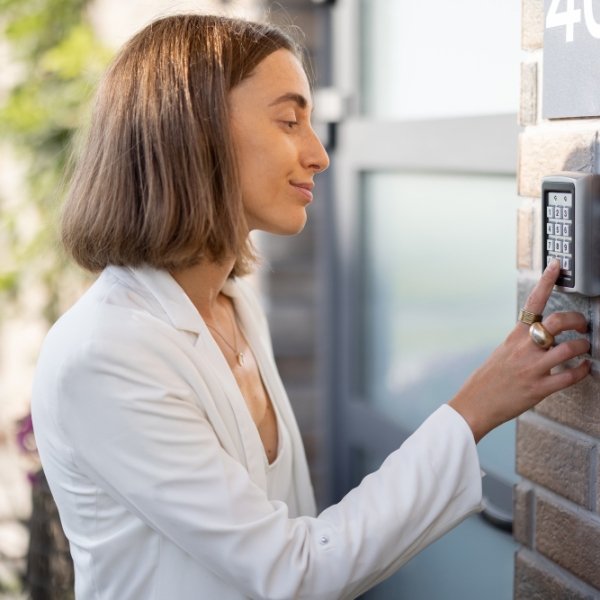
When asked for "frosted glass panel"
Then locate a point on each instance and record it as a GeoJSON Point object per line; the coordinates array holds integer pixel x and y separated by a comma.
{"type": "Point", "coordinates": [440, 292]}
{"type": "Point", "coordinates": [434, 59]}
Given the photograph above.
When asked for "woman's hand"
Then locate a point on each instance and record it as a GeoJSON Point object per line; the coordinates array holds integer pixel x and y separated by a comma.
{"type": "Point", "coordinates": [517, 376]}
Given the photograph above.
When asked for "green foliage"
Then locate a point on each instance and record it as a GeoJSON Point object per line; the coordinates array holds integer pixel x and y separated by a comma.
{"type": "Point", "coordinates": [60, 61]}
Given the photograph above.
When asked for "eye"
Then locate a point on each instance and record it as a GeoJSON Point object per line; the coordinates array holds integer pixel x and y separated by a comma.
{"type": "Point", "coordinates": [290, 124]}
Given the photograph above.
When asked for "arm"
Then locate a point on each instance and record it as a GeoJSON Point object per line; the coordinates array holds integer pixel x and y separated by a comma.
{"type": "Point", "coordinates": [137, 429]}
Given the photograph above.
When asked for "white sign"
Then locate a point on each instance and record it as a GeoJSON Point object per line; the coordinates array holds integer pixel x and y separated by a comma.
{"type": "Point", "coordinates": [571, 59]}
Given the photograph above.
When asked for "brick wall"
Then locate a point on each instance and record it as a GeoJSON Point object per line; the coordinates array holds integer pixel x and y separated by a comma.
{"type": "Point", "coordinates": [557, 503]}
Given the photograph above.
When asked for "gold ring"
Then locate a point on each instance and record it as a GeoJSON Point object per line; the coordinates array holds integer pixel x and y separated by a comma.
{"type": "Point", "coordinates": [529, 317]}
{"type": "Point", "coordinates": [540, 335]}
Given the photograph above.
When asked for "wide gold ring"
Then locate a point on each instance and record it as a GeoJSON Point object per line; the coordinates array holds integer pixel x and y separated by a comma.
{"type": "Point", "coordinates": [540, 335]}
{"type": "Point", "coordinates": [529, 317]}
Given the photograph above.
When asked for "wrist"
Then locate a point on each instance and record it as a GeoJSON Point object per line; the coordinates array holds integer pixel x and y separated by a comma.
{"type": "Point", "coordinates": [471, 416]}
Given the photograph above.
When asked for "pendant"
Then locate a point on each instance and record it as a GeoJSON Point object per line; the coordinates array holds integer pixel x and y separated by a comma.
{"type": "Point", "coordinates": [240, 359]}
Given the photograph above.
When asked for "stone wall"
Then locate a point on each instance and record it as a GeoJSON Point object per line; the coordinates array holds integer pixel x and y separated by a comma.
{"type": "Point", "coordinates": [557, 504]}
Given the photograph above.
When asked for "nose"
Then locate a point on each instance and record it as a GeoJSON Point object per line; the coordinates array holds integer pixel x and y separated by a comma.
{"type": "Point", "coordinates": [315, 156]}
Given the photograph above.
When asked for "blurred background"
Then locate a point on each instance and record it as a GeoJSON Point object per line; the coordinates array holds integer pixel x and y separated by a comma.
{"type": "Point", "coordinates": [401, 284]}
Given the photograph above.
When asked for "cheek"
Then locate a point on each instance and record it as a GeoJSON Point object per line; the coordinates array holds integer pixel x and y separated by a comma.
{"type": "Point", "coordinates": [267, 159]}
{"type": "Point", "coordinates": [265, 167]}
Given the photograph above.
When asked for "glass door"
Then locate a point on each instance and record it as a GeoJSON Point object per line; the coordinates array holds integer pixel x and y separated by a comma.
{"type": "Point", "coordinates": [424, 225]}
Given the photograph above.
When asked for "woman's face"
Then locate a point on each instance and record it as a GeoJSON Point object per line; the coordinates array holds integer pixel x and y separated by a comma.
{"type": "Point", "coordinates": [278, 151]}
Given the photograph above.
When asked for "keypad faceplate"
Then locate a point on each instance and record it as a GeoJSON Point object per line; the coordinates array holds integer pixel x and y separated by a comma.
{"type": "Point", "coordinates": [559, 233]}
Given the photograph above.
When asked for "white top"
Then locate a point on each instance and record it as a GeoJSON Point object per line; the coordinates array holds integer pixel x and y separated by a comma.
{"type": "Point", "coordinates": [279, 472]}
{"type": "Point", "coordinates": [159, 472]}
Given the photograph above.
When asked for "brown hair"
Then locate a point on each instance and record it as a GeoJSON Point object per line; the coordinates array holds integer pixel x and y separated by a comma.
{"type": "Point", "coordinates": [157, 182]}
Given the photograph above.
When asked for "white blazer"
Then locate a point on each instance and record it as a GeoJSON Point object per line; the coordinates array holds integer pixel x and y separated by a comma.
{"type": "Point", "coordinates": [158, 469]}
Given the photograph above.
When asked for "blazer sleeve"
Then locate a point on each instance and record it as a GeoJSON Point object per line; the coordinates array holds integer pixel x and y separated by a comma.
{"type": "Point", "coordinates": [137, 429]}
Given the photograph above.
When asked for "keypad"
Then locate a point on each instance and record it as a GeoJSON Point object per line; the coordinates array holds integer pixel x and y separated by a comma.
{"type": "Point", "coordinates": [559, 231]}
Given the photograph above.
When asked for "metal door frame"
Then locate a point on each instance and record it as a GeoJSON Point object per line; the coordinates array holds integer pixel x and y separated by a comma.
{"type": "Point", "coordinates": [451, 146]}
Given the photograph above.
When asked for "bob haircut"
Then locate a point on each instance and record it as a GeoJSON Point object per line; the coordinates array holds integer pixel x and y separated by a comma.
{"type": "Point", "coordinates": [157, 181]}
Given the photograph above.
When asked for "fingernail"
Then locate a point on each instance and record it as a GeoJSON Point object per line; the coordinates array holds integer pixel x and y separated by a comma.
{"type": "Point", "coordinates": [553, 265]}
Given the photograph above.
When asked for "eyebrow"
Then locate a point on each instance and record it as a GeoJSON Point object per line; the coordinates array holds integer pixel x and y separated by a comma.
{"type": "Point", "coordinates": [299, 99]}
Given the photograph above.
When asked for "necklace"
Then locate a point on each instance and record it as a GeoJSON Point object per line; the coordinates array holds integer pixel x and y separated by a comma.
{"type": "Point", "coordinates": [239, 355]}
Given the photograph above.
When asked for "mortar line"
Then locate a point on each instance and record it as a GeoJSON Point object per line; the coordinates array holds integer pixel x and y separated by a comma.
{"type": "Point", "coordinates": [567, 504]}
{"type": "Point", "coordinates": [593, 327]}
{"type": "Point", "coordinates": [570, 578]}
{"type": "Point", "coordinates": [594, 480]}
{"type": "Point", "coordinates": [532, 518]}
{"type": "Point", "coordinates": [566, 430]}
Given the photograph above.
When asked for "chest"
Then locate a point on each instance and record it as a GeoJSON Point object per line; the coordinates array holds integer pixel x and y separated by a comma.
{"type": "Point", "coordinates": [257, 400]}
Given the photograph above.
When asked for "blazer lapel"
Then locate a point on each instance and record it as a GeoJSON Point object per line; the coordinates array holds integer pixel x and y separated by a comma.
{"type": "Point", "coordinates": [218, 392]}
{"type": "Point", "coordinates": [247, 432]}
{"type": "Point", "coordinates": [249, 317]}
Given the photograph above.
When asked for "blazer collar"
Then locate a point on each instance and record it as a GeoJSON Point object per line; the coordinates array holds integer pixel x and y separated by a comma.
{"type": "Point", "coordinates": [175, 302]}
{"type": "Point", "coordinates": [184, 315]}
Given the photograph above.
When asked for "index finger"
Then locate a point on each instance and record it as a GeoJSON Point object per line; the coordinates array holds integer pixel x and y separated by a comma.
{"type": "Point", "coordinates": [541, 292]}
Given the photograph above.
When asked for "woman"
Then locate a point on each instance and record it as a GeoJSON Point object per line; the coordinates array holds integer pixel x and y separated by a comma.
{"type": "Point", "coordinates": [163, 427]}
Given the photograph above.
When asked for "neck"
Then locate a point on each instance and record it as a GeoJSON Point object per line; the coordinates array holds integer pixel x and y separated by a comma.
{"type": "Point", "coordinates": [203, 283]}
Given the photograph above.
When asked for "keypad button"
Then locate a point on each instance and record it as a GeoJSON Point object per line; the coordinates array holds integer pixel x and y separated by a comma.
{"type": "Point", "coordinates": [549, 212]}
{"type": "Point", "coordinates": [557, 212]}
{"type": "Point", "coordinates": [557, 245]}
{"type": "Point", "coordinates": [548, 259]}
{"type": "Point", "coordinates": [566, 213]}
{"type": "Point", "coordinates": [566, 264]}
{"type": "Point", "coordinates": [566, 230]}
{"type": "Point", "coordinates": [566, 247]}
{"type": "Point", "coordinates": [549, 245]}
{"type": "Point", "coordinates": [549, 229]}
{"type": "Point", "coordinates": [557, 228]}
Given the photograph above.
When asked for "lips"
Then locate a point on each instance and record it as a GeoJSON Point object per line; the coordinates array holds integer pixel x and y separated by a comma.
{"type": "Point", "coordinates": [304, 189]}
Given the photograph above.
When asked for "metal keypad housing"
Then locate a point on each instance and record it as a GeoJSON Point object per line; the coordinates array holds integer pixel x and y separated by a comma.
{"type": "Point", "coordinates": [571, 230]}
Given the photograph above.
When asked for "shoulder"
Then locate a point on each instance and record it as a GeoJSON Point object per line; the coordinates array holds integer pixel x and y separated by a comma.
{"type": "Point", "coordinates": [112, 348]}
{"type": "Point", "coordinates": [116, 318]}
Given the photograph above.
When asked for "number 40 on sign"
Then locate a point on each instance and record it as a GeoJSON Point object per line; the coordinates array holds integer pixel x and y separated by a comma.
{"type": "Point", "coordinates": [571, 15]}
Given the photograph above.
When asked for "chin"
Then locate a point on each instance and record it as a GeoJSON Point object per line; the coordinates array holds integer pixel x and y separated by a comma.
{"type": "Point", "coordinates": [288, 227]}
